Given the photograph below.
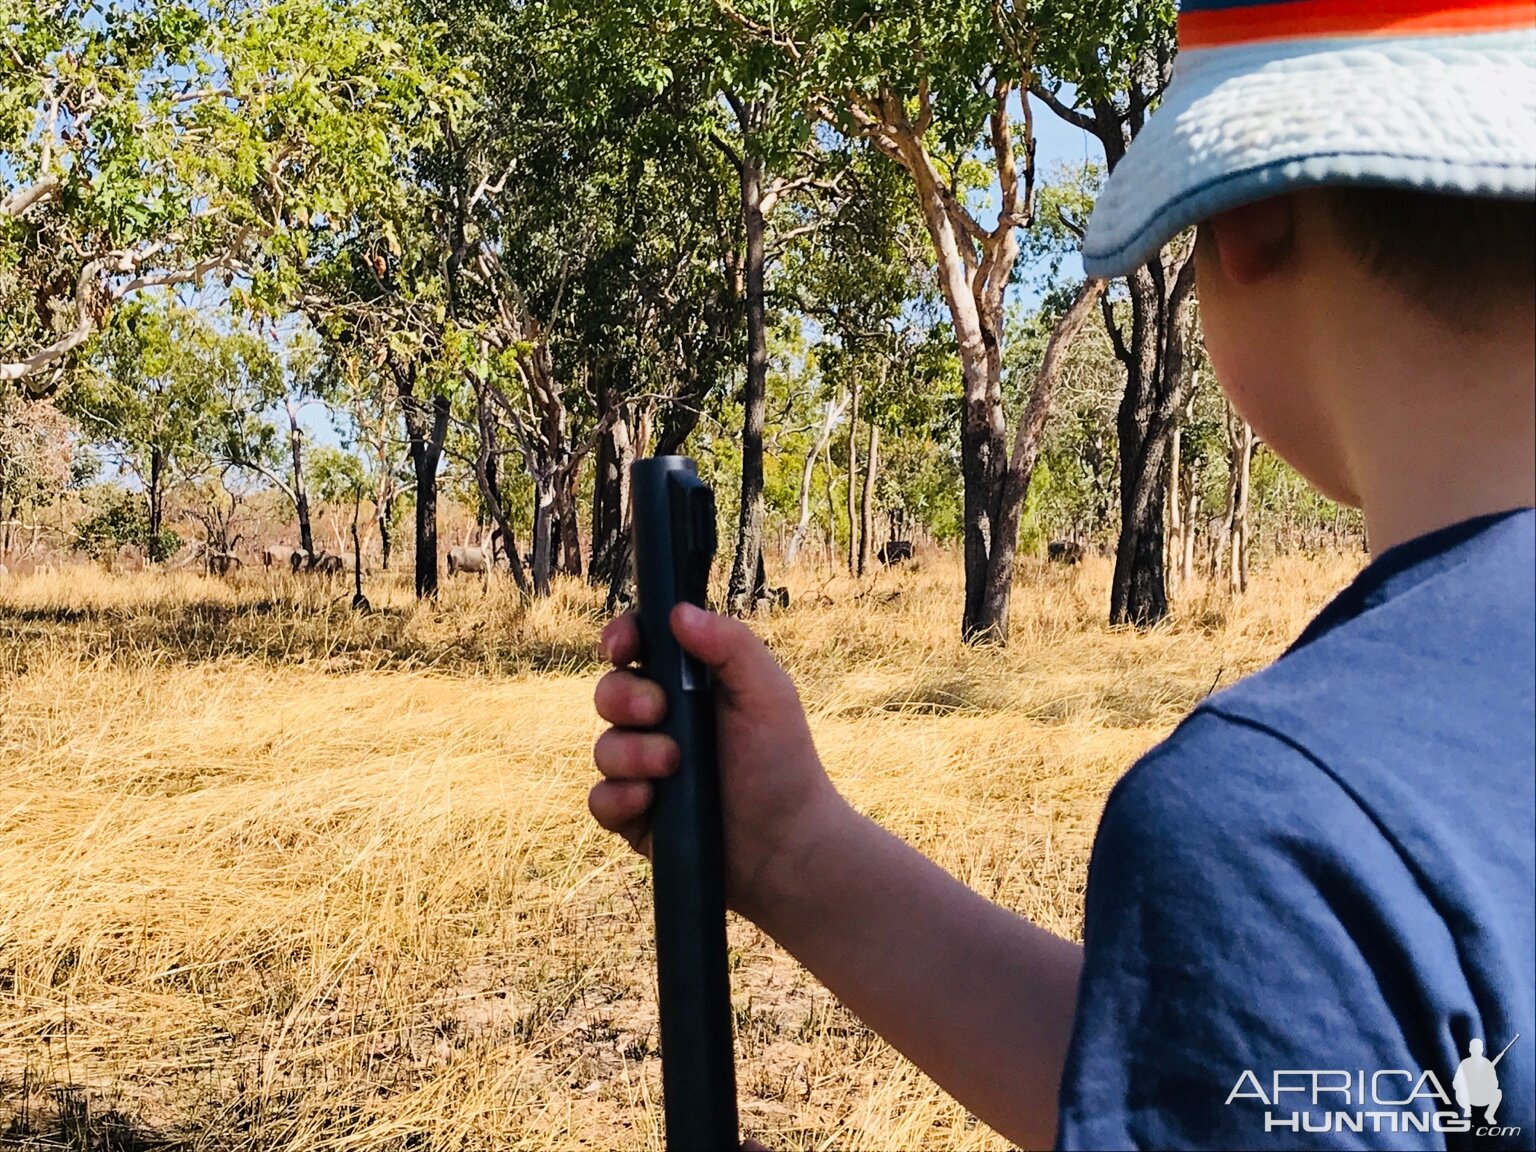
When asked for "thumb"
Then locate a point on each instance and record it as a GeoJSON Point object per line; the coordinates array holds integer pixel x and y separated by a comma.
{"type": "Point", "coordinates": [741, 662]}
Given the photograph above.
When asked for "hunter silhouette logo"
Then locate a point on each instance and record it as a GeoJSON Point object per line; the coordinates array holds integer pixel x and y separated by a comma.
{"type": "Point", "coordinates": [1477, 1081]}
{"type": "Point", "coordinates": [1317, 1100]}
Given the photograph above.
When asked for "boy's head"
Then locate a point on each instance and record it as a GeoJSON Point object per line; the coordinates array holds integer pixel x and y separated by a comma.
{"type": "Point", "coordinates": [1327, 303]}
{"type": "Point", "coordinates": [1364, 177]}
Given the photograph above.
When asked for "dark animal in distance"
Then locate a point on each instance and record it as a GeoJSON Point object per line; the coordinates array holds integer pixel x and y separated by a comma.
{"type": "Point", "coordinates": [279, 556]}
{"type": "Point", "coordinates": [772, 598]}
{"type": "Point", "coordinates": [326, 563]}
{"type": "Point", "coordinates": [894, 551]}
{"type": "Point", "coordinates": [1064, 551]}
{"type": "Point", "coordinates": [463, 558]}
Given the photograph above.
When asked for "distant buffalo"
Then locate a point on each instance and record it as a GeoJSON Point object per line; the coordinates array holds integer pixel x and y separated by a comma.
{"type": "Point", "coordinates": [224, 563]}
{"type": "Point", "coordinates": [894, 552]}
{"type": "Point", "coordinates": [327, 564]}
{"type": "Point", "coordinates": [279, 556]}
{"type": "Point", "coordinates": [1064, 551]}
{"type": "Point", "coordinates": [463, 558]}
{"type": "Point", "coordinates": [772, 598]}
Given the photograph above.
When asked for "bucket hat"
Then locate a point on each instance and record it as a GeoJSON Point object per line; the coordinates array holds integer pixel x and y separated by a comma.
{"type": "Point", "coordinates": [1272, 96]}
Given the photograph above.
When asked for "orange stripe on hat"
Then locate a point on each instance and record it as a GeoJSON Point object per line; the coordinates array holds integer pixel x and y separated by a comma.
{"type": "Point", "coordinates": [1308, 19]}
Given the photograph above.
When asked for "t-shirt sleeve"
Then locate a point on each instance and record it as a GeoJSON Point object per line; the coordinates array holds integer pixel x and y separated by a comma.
{"type": "Point", "coordinates": [1244, 916]}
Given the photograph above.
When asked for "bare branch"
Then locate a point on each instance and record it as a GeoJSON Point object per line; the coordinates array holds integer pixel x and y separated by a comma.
{"type": "Point", "coordinates": [44, 188]}
{"type": "Point", "coordinates": [1071, 115]}
{"type": "Point", "coordinates": [729, 152]}
{"type": "Point", "coordinates": [1122, 353]}
{"type": "Point", "coordinates": [761, 31]}
{"type": "Point", "coordinates": [93, 301]}
{"type": "Point", "coordinates": [179, 276]}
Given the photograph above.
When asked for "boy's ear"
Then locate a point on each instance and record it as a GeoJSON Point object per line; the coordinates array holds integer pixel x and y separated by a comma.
{"type": "Point", "coordinates": [1254, 240]}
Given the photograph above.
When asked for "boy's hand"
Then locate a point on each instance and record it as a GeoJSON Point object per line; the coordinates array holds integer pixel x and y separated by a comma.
{"type": "Point", "coordinates": [775, 793]}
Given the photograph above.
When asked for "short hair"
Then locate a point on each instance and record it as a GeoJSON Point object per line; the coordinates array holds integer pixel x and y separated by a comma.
{"type": "Point", "coordinates": [1458, 257]}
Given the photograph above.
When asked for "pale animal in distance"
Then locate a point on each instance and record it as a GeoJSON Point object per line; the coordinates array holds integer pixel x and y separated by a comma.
{"type": "Point", "coordinates": [463, 558]}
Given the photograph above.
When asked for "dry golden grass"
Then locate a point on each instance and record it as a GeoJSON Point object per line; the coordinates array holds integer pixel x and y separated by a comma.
{"type": "Point", "coordinates": [274, 875]}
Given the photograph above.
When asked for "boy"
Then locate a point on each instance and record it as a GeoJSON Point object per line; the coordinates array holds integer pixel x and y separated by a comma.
{"type": "Point", "coordinates": [1313, 902]}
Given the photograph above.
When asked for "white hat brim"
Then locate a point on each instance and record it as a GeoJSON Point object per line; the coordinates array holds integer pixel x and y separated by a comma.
{"type": "Point", "coordinates": [1453, 114]}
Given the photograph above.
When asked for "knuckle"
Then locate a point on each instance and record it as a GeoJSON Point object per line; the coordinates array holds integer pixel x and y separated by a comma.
{"type": "Point", "coordinates": [646, 700]}
{"type": "Point", "coordinates": [604, 753]}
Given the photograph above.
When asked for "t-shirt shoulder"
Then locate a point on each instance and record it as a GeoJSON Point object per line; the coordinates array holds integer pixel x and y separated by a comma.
{"type": "Point", "coordinates": [1327, 865]}
{"type": "Point", "coordinates": [1244, 914]}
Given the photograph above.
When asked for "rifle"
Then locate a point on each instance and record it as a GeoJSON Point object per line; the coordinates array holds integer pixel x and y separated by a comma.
{"type": "Point", "coordinates": [1506, 1048]}
{"type": "Point", "coordinates": [674, 544]}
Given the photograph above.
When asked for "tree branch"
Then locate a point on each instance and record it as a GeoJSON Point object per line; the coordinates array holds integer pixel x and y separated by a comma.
{"type": "Point", "coordinates": [1122, 353]}
{"type": "Point", "coordinates": [1071, 115]}
{"type": "Point", "coordinates": [93, 301]}
{"type": "Point", "coordinates": [45, 188]}
{"type": "Point", "coordinates": [761, 31]}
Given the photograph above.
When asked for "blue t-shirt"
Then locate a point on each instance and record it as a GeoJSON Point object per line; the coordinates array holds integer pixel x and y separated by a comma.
{"type": "Point", "coordinates": [1309, 917]}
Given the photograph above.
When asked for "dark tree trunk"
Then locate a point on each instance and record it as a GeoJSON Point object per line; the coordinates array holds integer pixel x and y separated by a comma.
{"type": "Point", "coordinates": [1154, 360]}
{"type": "Point", "coordinates": [569, 522]}
{"type": "Point", "coordinates": [982, 447]}
{"type": "Point", "coordinates": [386, 542]}
{"type": "Point", "coordinates": [359, 601]}
{"type": "Point", "coordinates": [1019, 469]}
{"type": "Point", "coordinates": [867, 511]}
{"type": "Point", "coordinates": [426, 449]}
{"type": "Point", "coordinates": [152, 546]}
{"type": "Point", "coordinates": [610, 494]}
{"type": "Point", "coordinates": [486, 471]}
{"type": "Point", "coordinates": [679, 416]}
{"type": "Point", "coordinates": [606, 499]}
{"type": "Point", "coordinates": [746, 586]}
{"type": "Point", "coordinates": [1160, 297]}
{"type": "Point", "coordinates": [300, 496]}
{"type": "Point", "coordinates": [621, 580]}
{"type": "Point", "coordinates": [543, 542]}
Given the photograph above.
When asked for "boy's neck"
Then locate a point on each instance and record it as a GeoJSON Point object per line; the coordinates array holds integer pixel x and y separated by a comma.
{"type": "Point", "coordinates": [1440, 425]}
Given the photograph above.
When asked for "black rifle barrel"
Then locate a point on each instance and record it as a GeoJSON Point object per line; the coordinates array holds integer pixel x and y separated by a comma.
{"type": "Point", "coordinates": [674, 545]}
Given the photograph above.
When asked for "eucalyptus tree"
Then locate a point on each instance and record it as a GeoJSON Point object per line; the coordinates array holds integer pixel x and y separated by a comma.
{"type": "Point", "coordinates": [863, 278]}
{"type": "Point", "coordinates": [937, 89]}
{"type": "Point", "coordinates": [509, 204]}
{"type": "Point", "coordinates": [771, 132]}
{"type": "Point", "coordinates": [730, 91]}
{"type": "Point", "coordinates": [149, 400]}
{"type": "Point", "coordinates": [591, 272]}
{"type": "Point", "coordinates": [154, 144]}
{"type": "Point", "coordinates": [657, 319]}
{"type": "Point", "coordinates": [367, 412]}
{"type": "Point", "coordinates": [363, 262]}
{"type": "Point", "coordinates": [1101, 67]}
{"type": "Point", "coordinates": [108, 126]}
{"type": "Point", "coordinates": [258, 384]}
